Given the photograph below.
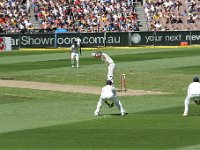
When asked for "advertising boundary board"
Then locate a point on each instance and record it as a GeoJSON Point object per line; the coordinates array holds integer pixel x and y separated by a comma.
{"type": "Point", "coordinates": [52, 40]}
{"type": "Point", "coordinates": [5, 44]}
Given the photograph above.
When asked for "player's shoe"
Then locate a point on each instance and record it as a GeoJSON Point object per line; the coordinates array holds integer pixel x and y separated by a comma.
{"type": "Point", "coordinates": [96, 113]}
{"type": "Point", "coordinates": [123, 113]}
{"type": "Point", "coordinates": [185, 115]}
{"type": "Point", "coordinates": [73, 66]}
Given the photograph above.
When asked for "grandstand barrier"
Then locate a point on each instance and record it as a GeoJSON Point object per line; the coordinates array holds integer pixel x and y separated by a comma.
{"type": "Point", "coordinates": [52, 40]}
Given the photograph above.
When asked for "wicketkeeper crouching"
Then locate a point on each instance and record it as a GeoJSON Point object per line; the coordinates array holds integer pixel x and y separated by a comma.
{"type": "Point", "coordinates": [109, 93]}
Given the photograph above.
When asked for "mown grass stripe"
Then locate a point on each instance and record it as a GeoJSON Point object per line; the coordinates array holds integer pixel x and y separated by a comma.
{"type": "Point", "coordinates": [55, 121]}
{"type": "Point", "coordinates": [86, 61]}
{"type": "Point", "coordinates": [147, 133]}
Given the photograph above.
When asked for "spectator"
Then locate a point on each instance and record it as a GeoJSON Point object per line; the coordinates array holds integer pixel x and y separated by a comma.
{"type": "Point", "coordinates": [1, 29]}
{"type": "Point", "coordinates": [158, 26]}
{"type": "Point", "coordinates": [135, 27]}
{"type": "Point", "coordinates": [172, 19]}
{"type": "Point", "coordinates": [190, 19]}
{"type": "Point", "coordinates": [178, 4]}
{"type": "Point", "coordinates": [179, 20]}
{"type": "Point", "coordinates": [165, 28]}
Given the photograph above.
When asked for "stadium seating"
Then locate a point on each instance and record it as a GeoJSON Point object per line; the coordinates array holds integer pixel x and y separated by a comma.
{"type": "Point", "coordinates": [173, 15]}
{"type": "Point", "coordinates": [14, 16]}
{"type": "Point", "coordinates": [98, 15]}
{"type": "Point", "coordinates": [87, 15]}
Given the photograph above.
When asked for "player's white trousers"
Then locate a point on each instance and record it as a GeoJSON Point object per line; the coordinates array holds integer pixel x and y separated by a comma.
{"type": "Point", "coordinates": [187, 101]}
{"type": "Point", "coordinates": [114, 100]}
{"type": "Point", "coordinates": [111, 68]}
{"type": "Point", "coordinates": [75, 56]}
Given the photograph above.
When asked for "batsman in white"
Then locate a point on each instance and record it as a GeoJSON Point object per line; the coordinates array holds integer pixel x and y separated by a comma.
{"type": "Point", "coordinates": [74, 55]}
{"type": "Point", "coordinates": [108, 92]}
{"type": "Point", "coordinates": [111, 65]}
{"type": "Point", "coordinates": [193, 93]}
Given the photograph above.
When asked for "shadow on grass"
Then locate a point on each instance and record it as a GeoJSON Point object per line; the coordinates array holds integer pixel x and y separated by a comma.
{"type": "Point", "coordinates": [113, 114]}
{"type": "Point", "coordinates": [194, 110]}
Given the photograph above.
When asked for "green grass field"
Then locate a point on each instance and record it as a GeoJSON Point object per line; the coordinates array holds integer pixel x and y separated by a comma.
{"type": "Point", "coordinates": [47, 120]}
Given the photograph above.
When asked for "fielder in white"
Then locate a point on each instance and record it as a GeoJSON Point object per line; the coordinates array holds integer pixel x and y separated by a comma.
{"type": "Point", "coordinates": [78, 40]}
{"type": "Point", "coordinates": [109, 93]}
{"type": "Point", "coordinates": [110, 63]}
{"type": "Point", "coordinates": [193, 93]}
{"type": "Point", "coordinates": [74, 55]}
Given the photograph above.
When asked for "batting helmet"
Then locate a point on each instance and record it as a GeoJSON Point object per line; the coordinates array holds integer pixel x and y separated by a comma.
{"type": "Point", "coordinates": [99, 52]}
{"type": "Point", "coordinates": [195, 79]}
{"type": "Point", "coordinates": [108, 82]}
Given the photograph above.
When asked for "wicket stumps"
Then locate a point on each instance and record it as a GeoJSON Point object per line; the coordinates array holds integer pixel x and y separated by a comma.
{"type": "Point", "coordinates": [123, 83]}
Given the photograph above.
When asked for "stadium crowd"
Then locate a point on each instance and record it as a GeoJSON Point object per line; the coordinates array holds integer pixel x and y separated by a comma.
{"type": "Point", "coordinates": [173, 14]}
{"type": "Point", "coordinates": [14, 16]}
{"type": "Point", "coordinates": [98, 15]}
{"type": "Point", "coordinates": [86, 15]}
{"type": "Point", "coordinates": [73, 15]}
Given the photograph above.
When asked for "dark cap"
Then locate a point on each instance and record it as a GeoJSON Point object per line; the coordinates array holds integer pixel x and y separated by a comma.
{"type": "Point", "coordinates": [196, 79]}
{"type": "Point", "coordinates": [99, 52]}
{"type": "Point", "coordinates": [108, 82]}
